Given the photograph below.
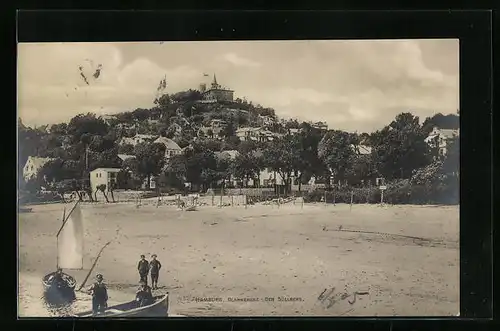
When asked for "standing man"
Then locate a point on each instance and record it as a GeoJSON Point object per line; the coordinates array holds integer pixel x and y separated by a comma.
{"type": "Point", "coordinates": [143, 268]}
{"type": "Point", "coordinates": [154, 267]}
{"type": "Point", "coordinates": [99, 295]}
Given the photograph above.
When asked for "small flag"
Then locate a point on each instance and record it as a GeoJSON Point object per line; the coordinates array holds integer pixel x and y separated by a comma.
{"type": "Point", "coordinates": [205, 75]}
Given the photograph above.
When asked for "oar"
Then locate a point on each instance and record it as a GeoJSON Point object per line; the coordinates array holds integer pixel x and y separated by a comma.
{"type": "Point", "coordinates": [93, 266]}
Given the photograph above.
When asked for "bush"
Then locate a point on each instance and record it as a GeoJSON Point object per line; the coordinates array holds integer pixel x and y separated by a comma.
{"type": "Point", "coordinates": [398, 192]}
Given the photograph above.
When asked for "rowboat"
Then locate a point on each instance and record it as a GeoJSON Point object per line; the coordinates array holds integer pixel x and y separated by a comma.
{"type": "Point", "coordinates": [64, 291]}
{"type": "Point", "coordinates": [131, 309]}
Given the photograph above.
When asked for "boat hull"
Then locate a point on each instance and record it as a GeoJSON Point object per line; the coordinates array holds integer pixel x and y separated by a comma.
{"type": "Point", "coordinates": [59, 293]}
{"type": "Point", "coordinates": [130, 309]}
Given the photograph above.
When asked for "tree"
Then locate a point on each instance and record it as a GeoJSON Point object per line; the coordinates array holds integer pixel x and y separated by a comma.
{"type": "Point", "coordinates": [246, 167]}
{"type": "Point", "coordinates": [126, 149]}
{"type": "Point", "coordinates": [29, 143]}
{"type": "Point", "coordinates": [59, 170]}
{"type": "Point", "coordinates": [175, 172]}
{"type": "Point", "coordinates": [336, 151]}
{"type": "Point", "coordinates": [228, 131]}
{"type": "Point", "coordinates": [308, 162]}
{"type": "Point", "coordinates": [149, 161]}
{"type": "Point", "coordinates": [451, 163]}
{"type": "Point", "coordinates": [399, 148]}
{"type": "Point", "coordinates": [283, 156]}
{"type": "Point", "coordinates": [83, 126]}
{"type": "Point", "coordinates": [450, 121]}
{"type": "Point", "coordinates": [141, 114]}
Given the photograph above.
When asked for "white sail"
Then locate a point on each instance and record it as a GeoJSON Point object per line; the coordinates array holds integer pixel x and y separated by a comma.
{"type": "Point", "coordinates": [70, 241]}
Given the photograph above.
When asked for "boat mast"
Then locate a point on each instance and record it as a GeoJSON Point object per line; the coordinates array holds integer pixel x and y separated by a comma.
{"type": "Point", "coordinates": [57, 238]}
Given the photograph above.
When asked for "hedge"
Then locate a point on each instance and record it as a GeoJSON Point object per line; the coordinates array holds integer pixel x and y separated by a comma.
{"type": "Point", "coordinates": [401, 192]}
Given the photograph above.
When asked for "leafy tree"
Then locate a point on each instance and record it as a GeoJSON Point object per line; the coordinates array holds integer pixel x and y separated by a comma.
{"type": "Point", "coordinates": [292, 124]}
{"type": "Point", "coordinates": [58, 170]}
{"type": "Point", "coordinates": [126, 149]}
{"type": "Point", "coordinates": [451, 163]}
{"type": "Point", "coordinates": [450, 121]}
{"type": "Point", "coordinates": [229, 130]}
{"type": "Point", "coordinates": [400, 148]}
{"type": "Point", "coordinates": [149, 160]}
{"type": "Point", "coordinates": [247, 147]}
{"type": "Point", "coordinates": [175, 172]}
{"type": "Point", "coordinates": [83, 126]}
{"type": "Point", "coordinates": [59, 129]}
{"type": "Point", "coordinates": [335, 150]}
{"type": "Point", "coordinates": [29, 143]}
{"type": "Point", "coordinates": [141, 114]}
{"type": "Point", "coordinates": [246, 167]}
{"type": "Point", "coordinates": [283, 156]}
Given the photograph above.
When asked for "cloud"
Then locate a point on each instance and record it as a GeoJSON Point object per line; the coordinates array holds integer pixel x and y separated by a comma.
{"type": "Point", "coordinates": [353, 85]}
{"type": "Point", "coordinates": [239, 61]}
{"type": "Point", "coordinates": [50, 87]}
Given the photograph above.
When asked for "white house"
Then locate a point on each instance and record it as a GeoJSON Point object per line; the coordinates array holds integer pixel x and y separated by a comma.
{"type": "Point", "coordinates": [33, 166]}
{"type": "Point", "coordinates": [441, 138]}
{"type": "Point", "coordinates": [104, 176]}
{"type": "Point", "coordinates": [171, 147]}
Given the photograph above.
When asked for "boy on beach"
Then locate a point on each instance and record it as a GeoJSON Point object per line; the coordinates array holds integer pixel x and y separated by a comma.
{"type": "Point", "coordinates": [154, 267]}
{"type": "Point", "coordinates": [143, 268]}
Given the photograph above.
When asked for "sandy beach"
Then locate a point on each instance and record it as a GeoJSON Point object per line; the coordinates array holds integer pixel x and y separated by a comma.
{"type": "Point", "coordinates": [279, 259]}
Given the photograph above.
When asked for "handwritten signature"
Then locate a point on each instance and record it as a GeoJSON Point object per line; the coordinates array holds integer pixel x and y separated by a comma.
{"type": "Point", "coordinates": [332, 297]}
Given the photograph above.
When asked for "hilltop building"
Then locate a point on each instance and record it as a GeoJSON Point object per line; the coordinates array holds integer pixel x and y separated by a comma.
{"type": "Point", "coordinates": [216, 92]}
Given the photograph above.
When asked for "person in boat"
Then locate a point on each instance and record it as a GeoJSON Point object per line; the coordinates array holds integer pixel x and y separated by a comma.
{"type": "Point", "coordinates": [154, 269]}
{"type": "Point", "coordinates": [143, 296]}
{"type": "Point", "coordinates": [99, 295]}
{"type": "Point", "coordinates": [57, 278]}
{"type": "Point", "coordinates": [143, 268]}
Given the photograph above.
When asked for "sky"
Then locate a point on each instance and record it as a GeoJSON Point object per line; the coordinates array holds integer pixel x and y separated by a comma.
{"type": "Point", "coordinates": [352, 85]}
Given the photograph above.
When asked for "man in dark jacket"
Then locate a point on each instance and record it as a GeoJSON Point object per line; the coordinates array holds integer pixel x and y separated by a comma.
{"type": "Point", "coordinates": [143, 268]}
{"type": "Point", "coordinates": [143, 296]}
{"type": "Point", "coordinates": [99, 295]}
{"type": "Point", "coordinates": [154, 267]}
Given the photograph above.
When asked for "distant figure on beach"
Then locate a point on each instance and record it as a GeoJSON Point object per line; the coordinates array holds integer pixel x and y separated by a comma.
{"type": "Point", "coordinates": [143, 295]}
{"type": "Point", "coordinates": [99, 295]}
{"type": "Point", "coordinates": [143, 268]}
{"type": "Point", "coordinates": [154, 268]}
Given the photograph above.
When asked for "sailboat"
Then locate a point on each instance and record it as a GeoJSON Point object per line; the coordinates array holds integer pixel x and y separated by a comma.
{"type": "Point", "coordinates": [59, 285]}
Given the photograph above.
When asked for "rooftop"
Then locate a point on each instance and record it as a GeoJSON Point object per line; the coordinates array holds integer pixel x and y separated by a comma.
{"type": "Point", "coordinates": [169, 143]}
{"type": "Point", "coordinates": [107, 169]}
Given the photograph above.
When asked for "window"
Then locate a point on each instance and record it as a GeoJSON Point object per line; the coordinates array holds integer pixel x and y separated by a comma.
{"type": "Point", "coordinates": [97, 175]}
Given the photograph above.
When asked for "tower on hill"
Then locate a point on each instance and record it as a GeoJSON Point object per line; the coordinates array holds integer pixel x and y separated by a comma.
{"type": "Point", "coordinates": [217, 93]}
